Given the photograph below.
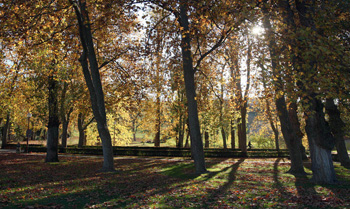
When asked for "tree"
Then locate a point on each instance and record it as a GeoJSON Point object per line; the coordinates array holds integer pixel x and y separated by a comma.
{"type": "Point", "coordinates": [321, 141]}
{"type": "Point", "coordinates": [92, 77]}
{"type": "Point", "coordinates": [52, 132]}
{"type": "Point", "coordinates": [337, 127]}
{"type": "Point", "coordinates": [196, 141]}
{"type": "Point", "coordinates": [288, 132]}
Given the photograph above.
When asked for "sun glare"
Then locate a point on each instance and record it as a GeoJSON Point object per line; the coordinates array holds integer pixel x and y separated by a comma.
{"type": "Point", "coordinates": [257, 30]}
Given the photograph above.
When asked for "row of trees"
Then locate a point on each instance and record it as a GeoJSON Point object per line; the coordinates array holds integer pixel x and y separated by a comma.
{"type": "Point", "coordinates": [198, 57]}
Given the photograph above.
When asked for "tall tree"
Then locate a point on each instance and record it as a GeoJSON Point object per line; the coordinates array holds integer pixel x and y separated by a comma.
{"type": "Point", "coordinates": [92, 77]}
{"type": "Point", "coordinates": [321, 140]}
{"type": "Point", "coordinates": [196, 141]}
{"type": "Point", "coordinates": [288, 132]}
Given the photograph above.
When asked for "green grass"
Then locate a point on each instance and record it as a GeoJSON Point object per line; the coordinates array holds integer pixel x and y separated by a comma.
{"type": "Point", "coordinates": [26, 181]}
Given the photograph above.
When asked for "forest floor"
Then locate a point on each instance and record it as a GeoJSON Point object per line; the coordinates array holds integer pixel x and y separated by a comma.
{"type": "Point", "coordinates": [27, 182]}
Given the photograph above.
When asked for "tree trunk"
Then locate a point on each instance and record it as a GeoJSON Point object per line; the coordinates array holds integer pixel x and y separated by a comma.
{"type": "Point", "coordinates": [293, 117]}
{"type": "Point", "coordinates": [181, 131]}
{"type": "Point", "coordinates": [64, 133]}
{"type": "Point", "coordinates": [196, 141]}
{"type": "Point", "coordinates": [337, 127]}
{"type": "Point", "coordinates": [5, 129]}
{"type": "Point", "coordinates": [206, 139]}
{"type": "Point", "coordinates": [288, 132]}
{"type": "Point", "coordinates": [134, 130]}
{"type": "Point", "coordinates": [223, 134]}
{"type": "Point", "coordinates": [321, 143]}
{"type": "Point", "coordinates": [81, 142]}
{"type": "Point", "coordinates": [277, 144]}
{"type": "Point", "coordinates": [52, 132]}
{"type": "Point", "coordinates": [65, 123]}
{"type": "Point", "coordinates": [92, 77]}
{"type": "Point", "coordinates": [243, 127]}
{"type": "Point", "coordinates": [273, 126]}
{"type": "Point", "coordinates": [233, 139]}
{"type": "Point", "coordinates": [290, 138]}
{"type": "Point", "coordinates": [187, 144]}
{"type": "Point", "coordinates": [82, 128]}
{"type": "Point", "coordinates": [157, 136]}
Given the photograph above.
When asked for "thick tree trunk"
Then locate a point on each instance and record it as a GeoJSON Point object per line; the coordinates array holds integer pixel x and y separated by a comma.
{"type": "Point", "coordinates": [293, 117]}
{"type": "Point", "coordinates": [321, 143]}
{"type": "Point", "coordinates": [5, 129]}
{"type": "Point", "coordinates": [291, 139]}
{"type": "Point", "coordinates": [196, 141]}
{"type": "Point", "coordinates": [337, 127]}
{"type": "Point", "coordinates": [288, 132]}
{"type": "Point", "coordinates": [52, 132]}
{"type": "Point", "coordinates": [92, 77]}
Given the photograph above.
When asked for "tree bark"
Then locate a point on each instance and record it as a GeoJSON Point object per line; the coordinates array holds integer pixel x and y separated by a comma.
{"type": "Point", "coordinates": [321, 143]}
{"type": "Point", "coordinates": [196, 141]}
{"type": "Point", "coordinates": [243, 127]}
{"type": "Point", "coordinates": [233, 139]}
{"type": "Point", "coordinates": [53, 125]}
{"type": "Point", "coordinates": [65, 115]}
{"type": "Point", "coordinates": [223, 134]}
{"type": "Point", "coordinates": [181, 131]}
{"type": "Point", "coordinates": [337, 127]}
{"type": "Point", "coordinates": [81, 142]}
{"type": "Point", "coordinates": [92, 77]}
{"type": "Point", "coordinates": [82, 128]}
{"type": "Point", "coordinates": [158, 121]}
{"type": "Point", "coordinates": [206, 139]}
{"type": "Point", "coordinates": [293, 116]}
{"type": "Point", "coordinates": [5, 129]}
{"type": "Point", "coordinates": [187, 143]}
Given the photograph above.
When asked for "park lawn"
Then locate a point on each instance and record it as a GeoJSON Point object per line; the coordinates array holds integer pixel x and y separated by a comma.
{"type": "Point", "coordinates": [27, 182]}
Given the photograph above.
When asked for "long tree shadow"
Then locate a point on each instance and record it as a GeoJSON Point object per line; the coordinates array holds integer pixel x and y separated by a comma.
{"type": "Point", "coordinates": [212, 174]}
{"type": "Point", "coordinates": [277, 184]}
{"type": "Point", "coordinates": [225, 187]}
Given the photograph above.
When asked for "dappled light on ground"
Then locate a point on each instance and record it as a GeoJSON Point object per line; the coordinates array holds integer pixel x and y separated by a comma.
{"type": "Point", "coordinates": [25, 180]}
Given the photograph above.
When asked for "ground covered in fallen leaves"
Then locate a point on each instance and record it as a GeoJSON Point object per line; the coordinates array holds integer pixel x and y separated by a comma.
{"type": "Point", "coordinates": [27, 182]}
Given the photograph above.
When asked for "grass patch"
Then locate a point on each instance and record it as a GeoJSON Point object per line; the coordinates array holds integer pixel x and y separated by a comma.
{"type": "Point", "coordinates": [26, 181]}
